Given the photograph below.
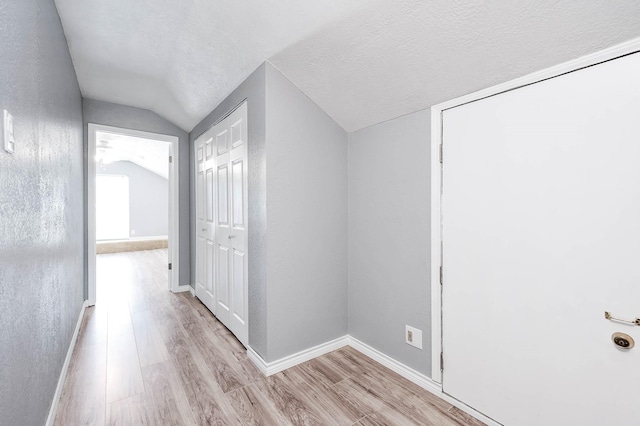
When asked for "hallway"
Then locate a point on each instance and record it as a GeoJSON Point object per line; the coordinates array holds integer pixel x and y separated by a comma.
{"type": "Point", "coordinates": [146, 356]}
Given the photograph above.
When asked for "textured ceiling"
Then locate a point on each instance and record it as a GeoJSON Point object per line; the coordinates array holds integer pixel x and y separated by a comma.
{"type": "Point", "coordinates": [403, 56]}
{"type": "Point", "coordinates": [181, 58]}
{"type": "Point", "coordinates": [147, 153]}
{"type": "Point", "coordinates": [362, 61]}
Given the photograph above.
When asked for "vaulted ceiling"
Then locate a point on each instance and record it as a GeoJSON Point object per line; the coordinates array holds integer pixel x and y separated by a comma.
{"type": "Point", "coordinates": [362, 61]}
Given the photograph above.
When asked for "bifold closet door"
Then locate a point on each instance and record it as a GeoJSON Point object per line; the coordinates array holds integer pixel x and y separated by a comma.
{"type": "Point", "coordinates": [231, 218]}
{"type": "Point", "coordinates": [223, 181]}
{"type": "Point", "coordinates": [205, 224]}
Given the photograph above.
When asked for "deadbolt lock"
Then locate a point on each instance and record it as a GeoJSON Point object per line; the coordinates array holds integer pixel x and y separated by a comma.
{"type": "Point", "coordinates": [623, 340]}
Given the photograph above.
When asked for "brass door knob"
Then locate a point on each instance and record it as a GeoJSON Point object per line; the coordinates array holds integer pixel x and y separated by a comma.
{"type": "Point", "coordinates": [623, 340]}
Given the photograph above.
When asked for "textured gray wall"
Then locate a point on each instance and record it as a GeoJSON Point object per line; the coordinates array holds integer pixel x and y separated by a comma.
{"type": "Point", "coordinates": [253, 90]}
{"type": "Point", "coordinates": [108, 114]}
{"type": "Point", "coordinates": [148, 198]}
{"type": "Point", "coordinates": [389, 237]}
{"type": "Point", "coordinates": [41, 213]}
{"type": "Point", "coordinates": [306, 221]}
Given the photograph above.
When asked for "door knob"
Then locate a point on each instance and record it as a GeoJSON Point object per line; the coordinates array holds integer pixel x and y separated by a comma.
{"type": "Point", "coordinates": [623, 340]}
{"type": "Point", "coordinates": [231, 236]}
{"type": "Point", "coordinates": [204, 229]}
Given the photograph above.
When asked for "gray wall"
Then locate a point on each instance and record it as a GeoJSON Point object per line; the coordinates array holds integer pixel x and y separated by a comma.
{"type": "Point", "coordinates": [253, 90]}
{"type": "Point", "coordinates": [389, 237]}
{"type": "Point", "coordinates": [306, 221]}
{"type": "Point", "coordinates": [108, 114]}
{"type": "Point", "coordinates": [298, 200]}
{"type": "Point", "coordinates": [148, 198]}
{"type": "Point", "coordinates": [41, 213]}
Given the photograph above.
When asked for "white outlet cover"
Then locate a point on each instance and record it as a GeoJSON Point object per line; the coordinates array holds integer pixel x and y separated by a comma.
{"type": "Point", "coordinates": [417, 336]}
{"type": "Point", "coordinates": [7, 132]}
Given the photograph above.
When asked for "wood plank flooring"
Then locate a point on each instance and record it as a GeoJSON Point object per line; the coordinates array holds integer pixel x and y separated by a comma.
{"type": "Point", "coordinates": [148, 357]}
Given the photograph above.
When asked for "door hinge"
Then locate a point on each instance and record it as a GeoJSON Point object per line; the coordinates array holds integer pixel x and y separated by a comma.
{"type": "Point", "coordinates": [441, 154]}
{"type": "Point", "coordinates": [171, 159]}
{"type": "Point", "coordinates": [440, 275]}
{"type": "Point", "coordinates": [170, 266]}
{"type": "Point", "coordinates": [441, 361]}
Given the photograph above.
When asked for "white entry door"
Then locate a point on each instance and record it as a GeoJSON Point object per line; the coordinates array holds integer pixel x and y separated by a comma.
{"type": "Point", "coordinates": [205, 220]}
{"type": "Point", "coordinates": [541, 236]}
{"type": "Point", "coordinates": [222, 250]}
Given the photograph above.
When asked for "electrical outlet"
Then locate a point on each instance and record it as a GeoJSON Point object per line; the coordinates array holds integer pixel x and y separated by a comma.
{"type": "Point", "coordinates": [413, 336]}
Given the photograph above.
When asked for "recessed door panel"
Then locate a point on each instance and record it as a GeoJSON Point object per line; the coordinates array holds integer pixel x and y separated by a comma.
{"type": "Point", "coordinates": [209, 148]}
{"type": "Point", "coordinates": [238, 285]}
{"type": "Point", "coordinates": [223, 197]}
{"type": "Point", "coordinates": [209, 190]}
{"type": "Point", "coordinates": [223, 276]}
{"type": "Point", "coordinates": [221, 141]}
{"type": "Point", "coordinates": [200, 191]}
{"type": "Point", "coordinates": [237, 133]}
{"type": "Point", "coordinates": [238, 195]}
{"type": "Point", "coordinates": [200, 269]}
{"type": "Point", "coordinates": [210, 278]}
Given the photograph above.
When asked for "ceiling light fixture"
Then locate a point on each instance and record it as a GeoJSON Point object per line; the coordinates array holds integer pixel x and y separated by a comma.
{"type": "Point", "coordinates": [104, 153]}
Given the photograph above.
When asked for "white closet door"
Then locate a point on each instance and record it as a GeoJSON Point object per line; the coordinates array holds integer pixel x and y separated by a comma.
{"type": "Point", "coordinates": [205, 220]}
{"type": "Point", "coordinates": [222, 249]}
{"type": "Point", "coordinates": [238, 238]}
{"type": "Point", "coordinates": [221, 187]}
{"type": "Point", "coordinates": [231, 223]}
{"type": "Point", "coordinates": [541, 236]}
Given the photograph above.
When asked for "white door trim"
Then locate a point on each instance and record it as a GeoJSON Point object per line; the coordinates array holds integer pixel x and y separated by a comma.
{"type": "Point", "coordinates": [631, 46]}
{"type": "Point", "coordinates": [174, 229]}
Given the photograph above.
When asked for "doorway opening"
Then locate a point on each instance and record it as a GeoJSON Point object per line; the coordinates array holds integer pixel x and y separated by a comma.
{"type": "Point", "coordinates": [132, 198]}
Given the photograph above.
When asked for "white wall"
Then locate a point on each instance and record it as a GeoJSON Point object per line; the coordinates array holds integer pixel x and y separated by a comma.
{"type": "Point", "coordinates": [389, 237]}
{"type": "Point", "coordinates": [148, 198]}
{"type": "Point", "coordinates": [306, 221]}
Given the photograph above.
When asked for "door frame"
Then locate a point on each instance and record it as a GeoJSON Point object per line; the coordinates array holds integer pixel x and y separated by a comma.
{"type": "Point", "coordinates": [174, 228]}
{"type": "Point", "coordinates": [437, 127]}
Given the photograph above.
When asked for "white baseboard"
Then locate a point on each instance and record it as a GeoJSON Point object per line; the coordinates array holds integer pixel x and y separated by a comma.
{"type": "Point", "coordinates": [192, 290]}
{"type": "Point", "coordinates": [269, 368]}
{"type": "Point", "coordinates": [425, 382]}
{"type": "Point", "coordinates": [409, 373]}
{"type": "Point", "coordinates": [181, 289]}
{"type": "Point", "coordinates": [416, 377]}
{"type": "Point", "coordinates": [65, 367]}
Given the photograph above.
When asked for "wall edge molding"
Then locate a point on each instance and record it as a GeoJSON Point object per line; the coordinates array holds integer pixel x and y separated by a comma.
{"type": "Point", "coordinates": [53, 410]}
{"type": "Point", "coordinates": [182, 289]}
{"type": "Point", "coordinates": [405, 371]}
{"type": "Point", "coordinates": [270, 368]}
{"type": "Point", "coordinates": [414, 376]}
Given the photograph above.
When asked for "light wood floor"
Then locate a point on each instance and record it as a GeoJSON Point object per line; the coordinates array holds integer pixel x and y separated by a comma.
{"type": "Point", "coordinates": [148, 357]}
